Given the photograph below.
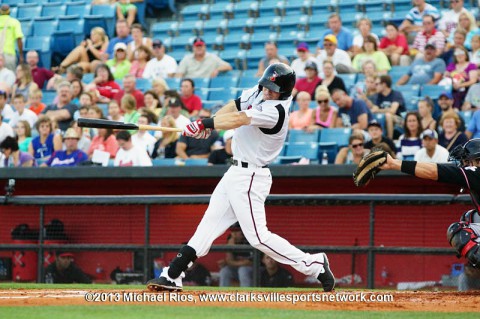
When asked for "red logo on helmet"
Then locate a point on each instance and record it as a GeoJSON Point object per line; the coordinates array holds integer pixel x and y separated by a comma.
{"type": "Point", "coordinates": [274, 76]}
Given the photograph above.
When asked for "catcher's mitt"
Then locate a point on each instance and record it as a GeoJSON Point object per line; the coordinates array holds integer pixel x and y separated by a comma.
{"type": "Point", "coordinates": [369, 166]}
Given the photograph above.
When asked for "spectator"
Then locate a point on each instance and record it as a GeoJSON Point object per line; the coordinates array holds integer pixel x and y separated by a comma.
{"type": "Point", "coordinates": [119, 65]}
{"type": "Point", "coordinates": [302, 118]}
{"type": "Point", "coordinates": [71, 156]}
{"type": "Point", "coordinates": [428, 35]}
{"type": "Point", "coordinates": [142, 138]}
{"type": "Point", "coordinates": [389, 102]}
{"type": "Point", "coordinates": [166, 145]}
{"type": "Point", "coordinates": [23, 131]}
{"type": "Point", "coordinates": [377, 138]}
{"type": "Point", "coordinates": [355, 151]}
{"type": "Point", "coordinates": [304, 56]}
{"type": "Point", "coordinates": [73, 73]}
{"type": "Point", "coordinates": [43, 145]}
{"type": "Point", "coordinates": [77, 91]}
{"type": "Point", "coordinates": [104, 141]}
{"type": "Point", "coordinates": [12, 35]}
{"type": "Point", "coordinates": [428, 70]}
{"type": "Point", "coordinates": [85, 136]}
{"type": "Point", "coordinates": [21, 112]}
{"type": "Point", "coordinates": [459, 37]}
{"type": "Point", "coordinates": [368, 93]}
{"type": "Point", "coordinates": [24, 84]}
{"type": "Point", "coordinates": [152, 103]}
{"type": "Point", "coordinates": [329, 78]}
{"type": "Point", "coordinates": [395, 45]}
{"type": "Point", "coordinates": [335, 28]}
{"type": "Point", "coordinates": [271, 53]}
{"type": "Point", "coordinates": [174, 108]}
{"type": "Point", "coordinates": [192, 102]}
{"type": "Point", "coordinates": [224, 155]}
{"type": "Point", "coordinates": [129, 154]}
{"type": "Point", "coordinates": [364, 26]}
{"type": "Point", "coordinates": [35, 101]}
{"type": "Point", "coordinates": [114, 111]}
{"type": "Point", "coordinates": [88, 54]}
{"type": "Point", "coordinates": [104, 82]}
{"type": "Point", "coordinates": [189, 147]}
{"type": "Point", "coordinates": [236, 265]}
{"type": "Point", "coordinates": [40, 75]}
{"type": "Point", "coordinates": [6, 75]}
{"type": "Point", "coordinates": [123, 36]}
{"type": "Point", "coordinates": [475, 54]}
{"type": "Point", "coordinates": [310, 82]}
{"type": "Point", "coordinates": [449, 21]}
{"type": "Point", "coordinates": [94, 112]}
{"type": "Point", "coordinates": [201, 64]}
{"type": "Point", "coordinates": [161, 65]}
{"type": "Point", "coordinates": [472, 100]}
{"type": "Point", "coordinates": [431, 152]}
{"type": "Point", "coordinates": [86, 100]}
{"type": "Point", "coordinates": [5, 130]}
{"type": "Point", "coordinates": [467, 25]}
{"type": "Point", "coordinates": [6, 110]}
{"type": "Point", "coordinates": [126, 10]}
{"type": "Point", "coordinates": [410, 142]}
{"type": "Point", "coordinates": [473, 127]}
{"type": "Point", "coordinates": [353, 113]}
{"type": "Point", "coordinates": [63, 111]}
{"type": "Point", "coordinates": [340, 58]}
{"type": "Point", "coordinates": [64, 271]}
{"type": "Point", "coordinates": [129, 108]}
{"type": "Point", "coordinates": [451, 136]}
{"type": "Point", "coordinates": [413, 19]}
{"type": "Point", "coordinates": [12, 156]}
{"type": "Point", "coordinates": [129, 87]}
{"type": "Point", "coordinates": [371, 53]}
{"type": "Point", "coordinates": [138, 41]}
{"type": "Point", "coordinates": [325, 115]}
{"type": "Point", "coordinates": [462, 74]}
{"type": "Point", "coordinates": [143, 55]}
{"type": "Point", "coordinates": [445, 102]}
{"type": "Point", "coordinates": [425, 110]}
{"type": "Point", "coordinates": [272, 275]}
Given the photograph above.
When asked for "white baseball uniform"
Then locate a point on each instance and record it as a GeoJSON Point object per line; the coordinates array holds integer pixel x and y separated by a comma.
{"type": "Point", "coordinates": [241, 194]}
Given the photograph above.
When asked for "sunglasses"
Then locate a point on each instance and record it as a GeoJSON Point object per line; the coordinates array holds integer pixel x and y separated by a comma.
{"type": "Point", "coordinates": [322, 101]}
{"type": "Point", "coordinates": [357, 145]}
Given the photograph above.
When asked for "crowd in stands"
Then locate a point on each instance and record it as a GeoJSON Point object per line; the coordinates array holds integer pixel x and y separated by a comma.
{"type": "Point", "coordinates": [125, 78]}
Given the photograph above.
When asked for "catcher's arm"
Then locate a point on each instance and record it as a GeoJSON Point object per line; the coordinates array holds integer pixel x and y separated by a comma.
{"type": "Point", "coordinates": [422, 170]}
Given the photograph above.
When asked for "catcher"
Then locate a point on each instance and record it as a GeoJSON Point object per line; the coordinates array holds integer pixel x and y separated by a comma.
{"type": "Point", "coordinates": [463, 236]}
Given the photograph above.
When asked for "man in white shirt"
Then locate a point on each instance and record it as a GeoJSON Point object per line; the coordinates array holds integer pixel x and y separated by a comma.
{"type": "Point", "coordinates": [303, 53]}
{"type": "Point", "coordinates": [6, 110]}
{"type": "Point", "coordinates": [340, 58]}
{"type": "Point", "coordinates": [162, 65]}
{"type": "Point", "coordinates": [22, 113]}
{"type": "Point", "coordinates": [431, 152]}
{"type": "Point", "coordinates": [449, 21]}
{"type": "Point", "coordinates": [129, 154]}
{"type": "Point", "coordinates": [5, 130]}
{"type": "Point", "coordinates": [142, 138]}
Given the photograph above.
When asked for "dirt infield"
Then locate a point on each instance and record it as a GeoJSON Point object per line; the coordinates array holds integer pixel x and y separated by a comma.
{"type": "Point", "coordinates": [344, 300]}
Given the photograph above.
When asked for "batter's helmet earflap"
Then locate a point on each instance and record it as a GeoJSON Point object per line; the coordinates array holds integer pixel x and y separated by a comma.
{"type": "Point", "coordinates": [279, 78]}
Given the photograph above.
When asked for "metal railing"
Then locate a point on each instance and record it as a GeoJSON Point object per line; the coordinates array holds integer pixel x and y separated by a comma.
{"type": "Point", "coordinates": [286, 200]}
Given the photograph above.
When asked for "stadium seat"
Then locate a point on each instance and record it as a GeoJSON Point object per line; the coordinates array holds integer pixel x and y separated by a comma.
{"type": "Point", "coordinates": [88, 78]}
{"type": "Point", "coordinates": [337, 135]}
{"type": "Point", "coordinates": [44, 26]}
{"type": "Point", "coordinates": [63, 42]}
{"type": "Point", "coordinates": [434, 91]}
{"type": "Point", "coordinates": [196, 162]}
{"type": "Point", "coordinates": [234, 27]}
{"type": "Point", "coordinates": [212, 25]}
{"type": "Point", "coordinates": [163, 161]}
{"type": "Point", "coordinates": [380, 118]}
{"type": "Point", "coordinates": [220, 10]}
{"type": "Point", "coordinates": [173, 83]}
{"type": "Point", "coordinates": [73, 24]}
{"type": "Point", "coordinates": [13, 12]}
{"type": "Point", "coordinates": [466, 116]}
{"type": "Point", "coordinates": [224, 82]}
{"type": "Point", "coordinates": [141, 8]}
{"type": "Point", "coordinates": [108, 12]}
{"type": "Point", "coordinates": [194, 12]}
{"type": "Point", "coordinates": [348, 79]}
{"type": "Point", "coordinates": [246, 9]}
{"type": "Point", "coordinates": [159, 29]}
{"type": "Point", "coordinates": [93, 21]}
{"type": "Point", "coordinates": [190, 27]}
{"type": "Point", "coordinates": [409, 89]}
{"type": "Point", "coordinates": [182, 42]}
{"type": "Point", "coordinates": [53, 9]}
{"type": "Point", "coordinates": [48, 97]}
{"type": "Point", "coordinates": [36, 1]}
{"type": "Point", "coordinates": [301, 136]}
{"type": "Point", "coordinates": [26, 26]}
{"type": "Point", "coordinates": [79, 8]}
{"type": "Point", "coordinates": [42, 45]}
{"type": "Point", "coordinates": [143, 84]}
{"type": "Point", "coordinates": [13, 3]}
{"type": "Point", "coordinates": [247, 82]}
{"type": "Point", "coordinates": [202, 93]}
{"type": "Point", "coordinates": [178, 55]}
{"type": "Point", "coordinates": [201, 82]}
{"type": "Point", "coordinates": [314, 8]}
{"type": "Point", "coordinates": [223, 95]}
{"type": "Point", "coordinates": [307, 150]}
{"type": "Point", "coordinates": [267, 8]}
{"type": "Point", "coordinates": [28, 11]}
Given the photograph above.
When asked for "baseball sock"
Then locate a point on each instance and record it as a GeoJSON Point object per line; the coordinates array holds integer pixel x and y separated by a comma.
{"type": "Point", "coordinates": [185, 258]}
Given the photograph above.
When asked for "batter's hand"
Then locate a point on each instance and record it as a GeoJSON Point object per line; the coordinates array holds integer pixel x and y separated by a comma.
{"type": "Point", "coordinates": [194, 129]}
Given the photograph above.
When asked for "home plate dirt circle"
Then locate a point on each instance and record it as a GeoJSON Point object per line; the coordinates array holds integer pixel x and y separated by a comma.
{"type": "Point", "coordinates": [301, 300]}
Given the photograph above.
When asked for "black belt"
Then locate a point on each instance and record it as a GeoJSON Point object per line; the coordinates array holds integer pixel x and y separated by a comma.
{"type": "Point", "coordinates": [244, 164]}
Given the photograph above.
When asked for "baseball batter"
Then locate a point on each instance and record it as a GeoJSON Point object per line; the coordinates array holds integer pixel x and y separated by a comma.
{"type": "Point", "coordinates": [260, 117]}
{"type": "Point", "coordinates": [463, 236]}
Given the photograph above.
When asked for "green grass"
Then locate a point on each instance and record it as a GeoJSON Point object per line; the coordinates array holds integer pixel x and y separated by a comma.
{"type": "Point", "coordinates": [146, 312]}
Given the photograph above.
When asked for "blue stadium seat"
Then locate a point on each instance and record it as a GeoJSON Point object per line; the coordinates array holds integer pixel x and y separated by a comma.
{"type": "Point", "coordinates": [212, 25]}
{"type": "Point", "coordinates": [194, 12]}
{"type": "Point", "coordinates": [231, 56]}
{"type": "Point", "coordinates": [209, 105]}
{"type": "Point", "coordinates": [53, 9]}
{"type": "Point", "coordinates": [316, 7]}
{"type": "Point", "coordinates": [224, 82]}
{"type": "Point", "coordinates": [80, 8]}
{"type": "Point", "coordinates": [28, 10]}
{"type": "Point", "coordinates": [434, 91]}
{"type": "Point", "coordinates": [182, 42]}
{"type": "Point", "coordinates": [36, 1]}
{"type": "Point", "coordinates": [294, 23]}
{"type": "Point", "coordinates": [13, 12]}
{"type": "Point", "coordinates": [141, 8]}
{"type": "Point", "coordinates": [201, 82]}
{"type": "Point", "coordinates": [247, 82]}
{"type": "Point", "coordinates": [108, 12]}
{"type": "Point", "coordinates": [164, 161]}
{"type": "Point", "coordinates": [13, 3]}
{"type": "Point", "coordinates": [88, 77]}
{"type": "Point", "coordinates": [73, 24]}
{"type": "Point", "coordinates": [409, 89]}
{"type": "Point", "coordinates": [42, 45]}
{"type": "Point", "coordinates": [307, 150]}
{"type": "Point", "coordinates": [143, 84]}
{"type": "Point", "coordinates": [267, 8]}
{"type": "Point", "coordinates": [348, 79]}
{"type": "Point", "coordinates": [245, 9]}
{"type": "Point", "coordinates": [93, 21]}
{"type": "Point", "coordinates": [48, 97]}
{"type": "Point", "coordinates": [173, 83]}
{"type": "Point", "coordinates": [466, 116]}
{"type": "Point", "coordinates": [44, 26]}
{"type": "Point", "coordinates": [223, 95]}
{"type": "Point", "coordinates": [63, 42]}
{"type": "Point", "coordinates": [104, 108]}
{"type": "Point", "coordinates": [159, 29]}
{"type": "Point", "coordinates": [26, 25]}
{"type": "Point", "coordinates": [337, 135]}
{"type": "Point", "coordinates": [234, 27]}
{"type": "Point", "coordinates": [190, 27]}
{"type": "Point", "coordinates": [259, 39]}
{"type": "Point", "coordinates": [234, 41]}
{"type": "Point", "coordinates": [380, 118]}
{"type": "Point", "coordinates": [301, 136]}
{"type": "Point", "coordinates": [178, 55]}
{"type": "Point", "coordinates": [202, 93]}
{"type": "Point", "coordinates": [196, 162]}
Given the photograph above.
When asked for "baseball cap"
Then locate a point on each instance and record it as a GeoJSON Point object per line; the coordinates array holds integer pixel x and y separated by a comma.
{"type": "Point", "coordinates": [228, 135]}
{"type": "Point", "coordinates": [198, 42]}
{"type": "Point", "coordinates": [374, 123]}
{"type": "Point", "coordinates": [302, 46]}
{"type": "Point", "coordinates": [71, 133]}
{"type": "Point", "coordinates": [157, 43]}
{"type": "Point", "coordinates": [63, 253]}
{"type": "Point", "coordinates": [448, 95]}
{"type": "Point", "coordinates": [120, 45]}
{"type": "Point", "coordinates": [330, 37]}
{"type": "Point", "coordinates": [429, 133]}
{"type": "Point", "coordinates": [430, 46]}
{"type": "Point", "coordinates": [174, 102]}
{"type": "Point", "coordinates": [5, 9]}
{"type": "Point", "coordinates": [311, 65]}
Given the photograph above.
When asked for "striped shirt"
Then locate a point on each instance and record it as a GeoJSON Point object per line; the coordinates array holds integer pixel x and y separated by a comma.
{"type": "Point", "coordinates": [436, 38]}
{"type": "Point", "coordinates": [415, 16]}
{"type": "Point", "coordinates": [407, 147]}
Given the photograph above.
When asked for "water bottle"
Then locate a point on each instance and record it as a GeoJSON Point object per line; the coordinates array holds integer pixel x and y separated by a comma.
{"type": "Point", "coordinates": [324, 158]}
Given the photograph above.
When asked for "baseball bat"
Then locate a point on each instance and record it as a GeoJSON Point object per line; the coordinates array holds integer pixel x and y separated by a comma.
{"type": "Point", "coordinates": [97, 123]}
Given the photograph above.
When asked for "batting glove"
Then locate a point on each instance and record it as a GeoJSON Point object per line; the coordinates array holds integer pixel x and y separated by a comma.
{"type": "Point", "coordinates": [194, 129]}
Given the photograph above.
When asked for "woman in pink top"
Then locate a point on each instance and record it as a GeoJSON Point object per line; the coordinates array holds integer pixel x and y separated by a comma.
{"type": "Point", "coordinates": [143, 55]}
{"type": "Point", "coordinates": [105, 141]}
{"type": "Point", "coordinates": [301, 119]}
{"type": "Point", "coordinates": [324, 115]}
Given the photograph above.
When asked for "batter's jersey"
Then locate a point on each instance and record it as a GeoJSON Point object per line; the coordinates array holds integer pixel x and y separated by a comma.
{"type": "Point", "coordinates": [260, 142]}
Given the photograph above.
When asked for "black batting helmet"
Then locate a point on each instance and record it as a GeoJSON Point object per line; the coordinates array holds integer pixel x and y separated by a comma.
{"type": "Point", "coordinates": [466, 152]}
{"type": "Point", "coordinates": [279, 78]}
